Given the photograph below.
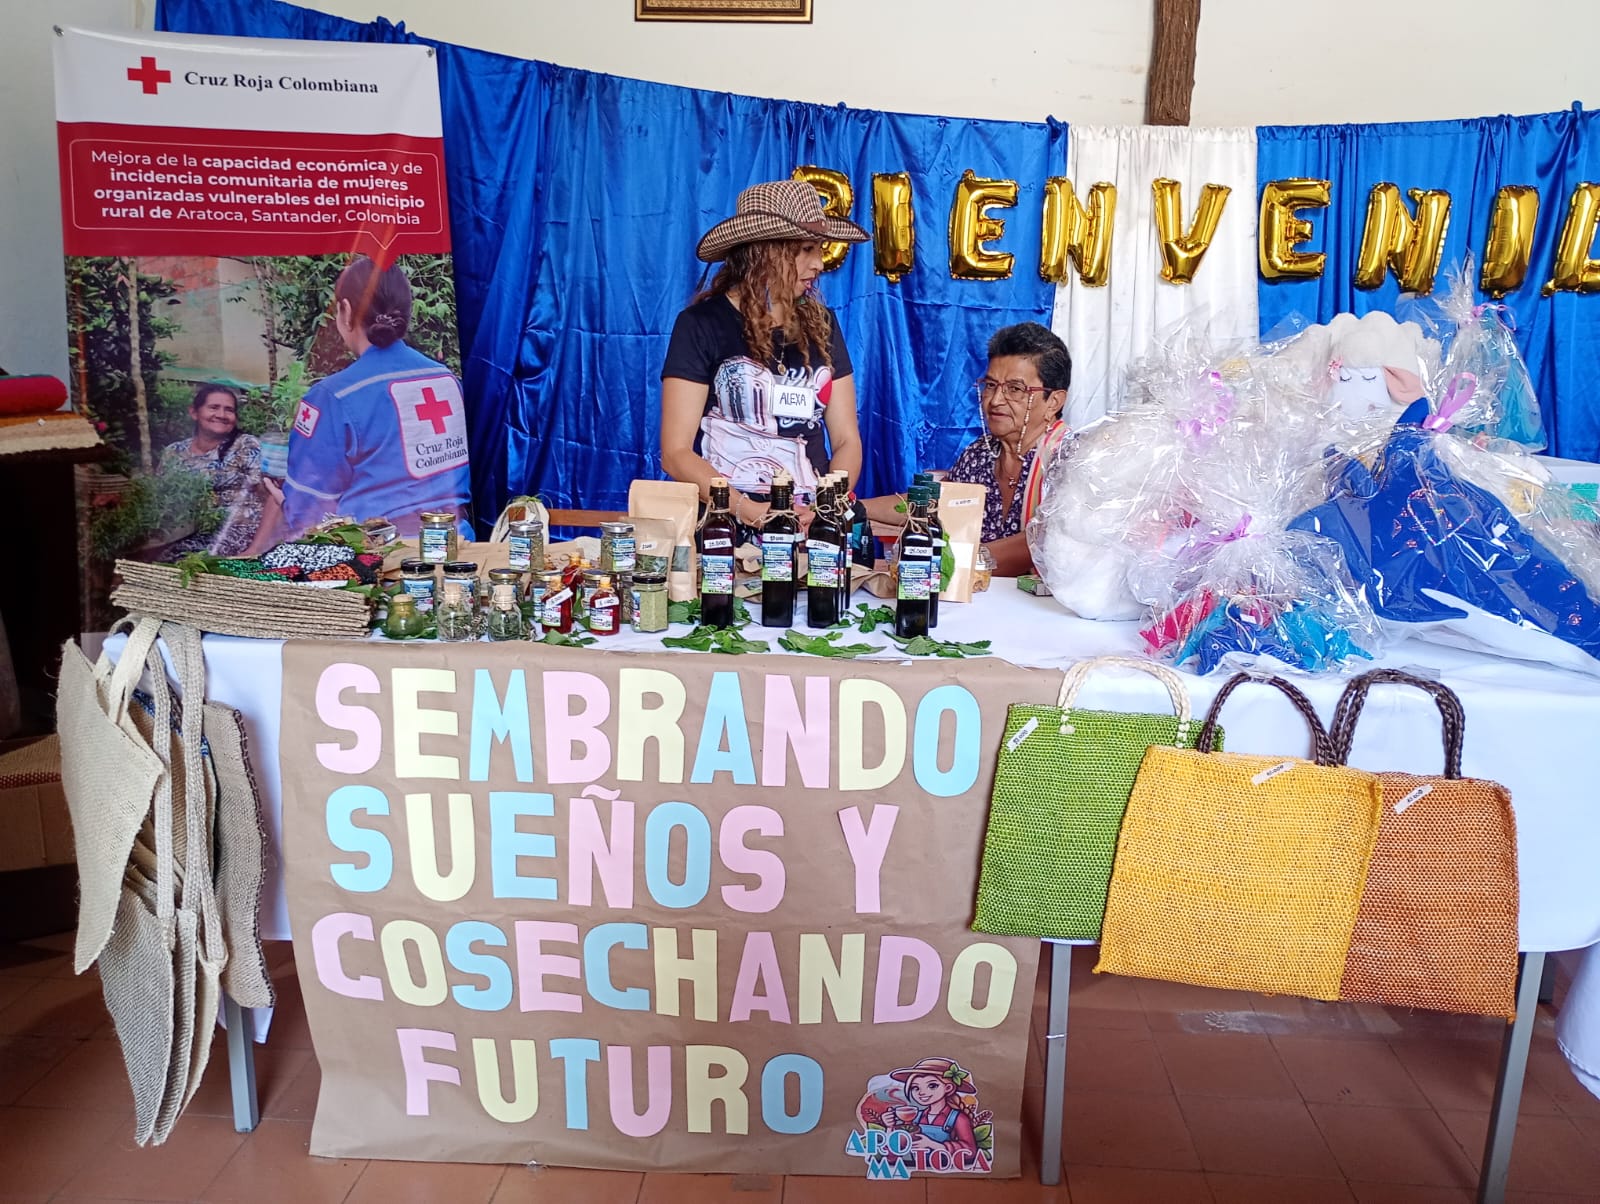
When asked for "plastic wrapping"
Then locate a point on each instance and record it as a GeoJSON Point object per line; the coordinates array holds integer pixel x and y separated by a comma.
{"type": "Point", "coordinates": [1466, 544]}
{"type": "Point", "coordinates": [1482, 387]}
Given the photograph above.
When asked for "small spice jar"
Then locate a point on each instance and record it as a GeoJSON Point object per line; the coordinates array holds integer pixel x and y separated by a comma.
{"type": "Point", "coordinates": [417, 579]}
{"type": "Point", "coordinates": [590, 586]}
{"type": "Point", "coordinates": [454, 618]}
{"type": "Point", "coordinates": [616, 547]}
{"type": "Point", "coordinates": [554, 596]}
{"type": "Point", "coordinates": [505, 617]}
{"type": "Point", "coordinates": [650, 602]}
{"type": "Point", "coordinates": [403, 622]}
{"type": "Point", "coordinates": [466, 572]}
{"type": "Point", "coordinates": [511, 577]}
{"type": "Point", "coordinates": [525, 545]}
{"type": "Point", "coordinates": [438, 536]}
{"type": "Point", "coordinates": [602, 608]}
{"type": "Point", "coordinates": [627, 597]}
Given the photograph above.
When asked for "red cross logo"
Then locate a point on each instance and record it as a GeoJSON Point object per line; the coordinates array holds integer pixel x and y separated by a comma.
{"type": "Point", "coordinates": [146, 73]}
{"type": "Point", "coordinates": [433, 409]}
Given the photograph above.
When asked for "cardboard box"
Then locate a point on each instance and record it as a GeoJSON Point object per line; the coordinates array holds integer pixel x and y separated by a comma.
{"type": "Point", "coordinates": [35, 828]}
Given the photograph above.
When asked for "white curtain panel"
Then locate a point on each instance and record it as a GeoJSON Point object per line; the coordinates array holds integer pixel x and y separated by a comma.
{"type": "Point", "coordinates": [1109, 327]}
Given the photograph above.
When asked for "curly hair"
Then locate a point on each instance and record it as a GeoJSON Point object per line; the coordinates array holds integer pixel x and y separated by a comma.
{"type": "Point", "coordinates": [760, 270]}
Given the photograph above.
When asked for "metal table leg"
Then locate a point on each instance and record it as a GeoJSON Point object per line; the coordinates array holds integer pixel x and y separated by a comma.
{"type": "Point", "coordinates": [1055, 1065]}
{"type": "Point", "coordinates": [1508, 1088]}
{"type": "Point", "coordinates": [241, 1066]}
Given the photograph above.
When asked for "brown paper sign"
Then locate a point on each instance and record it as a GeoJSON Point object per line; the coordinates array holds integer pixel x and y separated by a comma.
{"type": "Point", "coordinates": [669, 912]}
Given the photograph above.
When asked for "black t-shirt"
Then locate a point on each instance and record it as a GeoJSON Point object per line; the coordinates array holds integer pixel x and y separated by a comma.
{"type": "Point", "coordinates": [758, 418]}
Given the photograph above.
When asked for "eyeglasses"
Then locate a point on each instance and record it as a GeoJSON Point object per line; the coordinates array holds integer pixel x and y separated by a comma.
{"type": "Point", "coordinates": [1012, 392]}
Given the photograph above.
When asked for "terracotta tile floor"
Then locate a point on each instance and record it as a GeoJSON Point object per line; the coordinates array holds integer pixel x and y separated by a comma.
{"type": "Point", "coordinates": [1175, 1094]}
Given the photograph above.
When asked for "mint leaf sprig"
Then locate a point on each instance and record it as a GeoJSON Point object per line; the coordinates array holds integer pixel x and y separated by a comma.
{"type": "Point", "coordinates": [924, 645]}
{"type": "Point", "coordinates": [827, 644]}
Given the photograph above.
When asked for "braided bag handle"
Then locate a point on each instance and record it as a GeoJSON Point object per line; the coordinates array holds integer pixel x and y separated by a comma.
{"type": "Point", "coordinates": [1452, 714]}
{"type": "Point", "coordinates": [1321, 745]}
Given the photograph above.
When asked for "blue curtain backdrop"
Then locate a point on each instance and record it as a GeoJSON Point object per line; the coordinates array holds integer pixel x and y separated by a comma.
{"type": "Point", "coordinates": [576, 202]}
{"type": "Point", "coordinates": [1559, 336]}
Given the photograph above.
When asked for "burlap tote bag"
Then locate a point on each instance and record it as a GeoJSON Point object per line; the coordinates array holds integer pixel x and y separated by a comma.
{"type": "Point", "coordinates": [109, 775]}
{"type": "Point", "coordinates": [1241, 871]}
{"type": "Point", "coordinates": [168, 934]}
{"type": "Point", "coordinates": [137, 965]}
{"type": "Point", "coordinates": [1061, 785]}
{"type": "Point", "coordinates": [241, 855]}
{"type": "Point", "coordinates": [1438, 921]}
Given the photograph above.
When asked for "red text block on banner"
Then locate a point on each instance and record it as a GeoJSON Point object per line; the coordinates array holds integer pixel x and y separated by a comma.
{"type": "Point", "coordinates": [142, 190]}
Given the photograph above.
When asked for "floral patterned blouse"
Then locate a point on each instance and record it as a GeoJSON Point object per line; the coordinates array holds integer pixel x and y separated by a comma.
{"type": "Point", "coordinates": [976, 466]}
{"type": "Point", "coordinates": [235, 483]}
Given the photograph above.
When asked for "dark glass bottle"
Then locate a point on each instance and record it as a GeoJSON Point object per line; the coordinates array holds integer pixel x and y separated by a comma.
{"type": "Point", "coordinates": [717, 538]}
{"type": "Point", "coordinates": [780, 551]}
{"type": "Point", "coordinates": [825, 558]}
{"type": "Point", "coordinates": [859, 527]}
{"type": "Point", "coordinates": [843, 515]}
{"type": "Point", "coordinates": [914, 569]}
{"type": "Point", "coordinates": [936, 530]}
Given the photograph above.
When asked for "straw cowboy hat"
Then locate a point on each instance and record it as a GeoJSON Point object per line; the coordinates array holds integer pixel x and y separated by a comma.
{"type": "Point", "coordinates": [780, 209]}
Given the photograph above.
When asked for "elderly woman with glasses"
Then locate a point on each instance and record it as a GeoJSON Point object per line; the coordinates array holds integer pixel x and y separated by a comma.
{"type": "Point", "coordinates": [1022, 396]}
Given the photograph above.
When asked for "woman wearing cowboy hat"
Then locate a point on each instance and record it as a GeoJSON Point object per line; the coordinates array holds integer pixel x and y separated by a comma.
{"type": "Point", "coordinates": [757, 379]}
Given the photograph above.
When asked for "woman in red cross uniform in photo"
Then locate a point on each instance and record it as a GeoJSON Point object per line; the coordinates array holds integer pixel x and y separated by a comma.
{"type": "Point", "coordinates": [387, 436]}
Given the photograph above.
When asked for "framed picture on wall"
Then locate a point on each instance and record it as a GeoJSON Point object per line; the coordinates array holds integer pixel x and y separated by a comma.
{"type": "Point", "coordinates": [722, 10]}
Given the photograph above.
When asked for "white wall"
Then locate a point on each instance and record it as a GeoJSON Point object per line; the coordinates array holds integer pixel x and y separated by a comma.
{"type": "Point", "coordinates": [1281, 63]}
{"type": "Point", "coordinates": [1014, 59]}
{"type": "Point", "coordinates": [1258, 63]}
{"type": "Point", "coordinates": [33, 300]}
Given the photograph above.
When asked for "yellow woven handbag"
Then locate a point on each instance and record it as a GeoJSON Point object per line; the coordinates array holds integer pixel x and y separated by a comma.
{"type": "Point", "coordinates": [1242, 871]}
{"type": "Point", "coordinates": [1438, 921]}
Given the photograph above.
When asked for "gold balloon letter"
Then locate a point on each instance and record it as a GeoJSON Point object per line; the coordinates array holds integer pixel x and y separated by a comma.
{"type": "Point", "coordinates": [894, 227]}
{"type": "Point", "coordinates": [1510, 243]}
{"type": "Point", "coordinates": [1074, 233]}
{"type": "Point", "coordinates": [1574, 270]}
{"type": "Point", "coordinates": [970, 228]}
{"type": "Point", "coordinates": [1281, 230]}
{"type": "Point", "coordinates": [1394, 239]}
{"type": "Point", "coordinates": [838, 198]}
{"type": "Point", "coordinates": [1181, 252]}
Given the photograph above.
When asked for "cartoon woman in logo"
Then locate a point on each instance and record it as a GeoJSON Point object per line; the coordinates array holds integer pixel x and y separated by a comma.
{"type": "Point", "coordinates": [943, 1108]}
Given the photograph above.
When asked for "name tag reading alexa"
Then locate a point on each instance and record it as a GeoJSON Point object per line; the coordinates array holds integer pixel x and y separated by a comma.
{"type": "Point", "coordinates": [794, 402]}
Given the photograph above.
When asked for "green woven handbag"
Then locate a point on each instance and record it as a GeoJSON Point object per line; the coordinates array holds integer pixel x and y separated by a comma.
{"type": "Point", "coordinates": [1061, 785]}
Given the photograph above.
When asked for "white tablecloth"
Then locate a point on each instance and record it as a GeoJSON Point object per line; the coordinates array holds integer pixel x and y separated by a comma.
{"type": "Point", "coordinates": [1529, 727]}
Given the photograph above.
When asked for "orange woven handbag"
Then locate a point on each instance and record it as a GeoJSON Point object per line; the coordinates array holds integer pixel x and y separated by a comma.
{"type": "Point", "coordinates": [1242, 871]}
{"type": "Point", "coordinates": [1438, 921]}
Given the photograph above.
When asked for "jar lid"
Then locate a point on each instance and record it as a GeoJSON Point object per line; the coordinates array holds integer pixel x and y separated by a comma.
{"type": "Point", "coordinates": [617, 528]}
{"type": "Point", "coordinates": [525, 525]}
{"type": "Point", "coordinates": [505, 576]}
{"type": "Point", "coordinates": [461, 566]}
{"type": "Point", "coordinates": [417, 566]}
{"type": "Point", "coordinates": [649, 578]}
{"type": "Point", "coordinates": [438, 516]}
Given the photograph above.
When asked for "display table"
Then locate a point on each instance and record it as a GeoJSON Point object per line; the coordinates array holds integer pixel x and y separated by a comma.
{"type": "Point", "coordinates": [1528, 727]}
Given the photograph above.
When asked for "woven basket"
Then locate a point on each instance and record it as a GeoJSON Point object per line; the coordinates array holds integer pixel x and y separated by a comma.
{"type": "Point", "coordinates": [1438, 921]}
{"type": "Point", "coordinates": [1241, 871]}
{"type": "Point", "coordinates": [269, 610]}
{"type": "Point", "coordinates": [1061, 785]}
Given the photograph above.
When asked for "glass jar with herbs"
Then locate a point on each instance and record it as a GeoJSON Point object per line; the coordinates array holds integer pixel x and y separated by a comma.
{"type": "Point", "coordinates": [454, 617]}
{"type": "Point", "coordinates": [650, 602]}
{"type": "Point", "coordinates": [505, 616]}
{"type": "Point", "coordinates": [417, 579]}
{"type": "Point", "coordinates": [466, 572]}
{"type": "Point", "coordinates": [525, 545]}
{"type": "Point", "coordinates": [438, 536]}
{"type": "Point", "coordinates": [617, 547]}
